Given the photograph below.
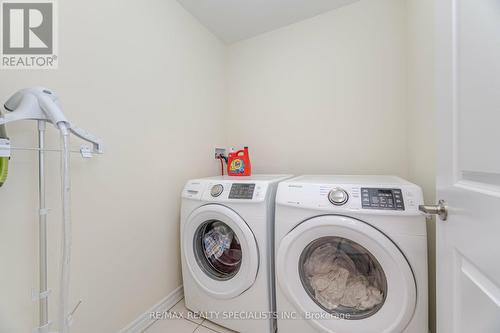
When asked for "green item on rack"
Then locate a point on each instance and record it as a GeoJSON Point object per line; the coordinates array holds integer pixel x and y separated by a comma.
{"type": "Point", "coordinates": [4, 169]}
{"type": "Point", "coordinates": [4, 161]}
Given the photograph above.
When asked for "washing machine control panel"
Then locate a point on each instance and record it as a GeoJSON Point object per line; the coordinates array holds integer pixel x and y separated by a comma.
{"type": "Point", "coordinates": [382, 198]}
{"type": "Point", "coordinates": [242, 191]}
{"type": "Point", "coordinates": [226, 191]}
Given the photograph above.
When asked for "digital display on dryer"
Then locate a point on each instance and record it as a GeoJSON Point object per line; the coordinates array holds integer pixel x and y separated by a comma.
{"type": "Point", "coordinates": [242, 191]}
{"type": "Point", "coordinates": [387, 199]}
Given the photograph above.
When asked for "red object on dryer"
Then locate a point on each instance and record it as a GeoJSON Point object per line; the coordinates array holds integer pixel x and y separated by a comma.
{"type": "Point", "coordinates": [238, 163]}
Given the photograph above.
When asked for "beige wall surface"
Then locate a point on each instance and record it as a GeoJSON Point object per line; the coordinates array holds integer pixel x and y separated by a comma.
{"type": "Point", "coordinates": [325, 95]}
{"type": "Point", "coordinates": [422, 119]}
{"type": "Point", "coordinates": [148, 79]}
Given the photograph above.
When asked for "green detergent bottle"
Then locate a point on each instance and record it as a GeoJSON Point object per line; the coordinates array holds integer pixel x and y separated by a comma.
{"type": "Point", "coordinates": [4, 161]}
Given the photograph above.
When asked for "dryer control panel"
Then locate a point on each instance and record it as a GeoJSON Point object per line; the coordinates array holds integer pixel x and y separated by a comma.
{"type": "Point", "coordinates": [382, 198]}
{"type": "Point", "coordinates": [364, 194]}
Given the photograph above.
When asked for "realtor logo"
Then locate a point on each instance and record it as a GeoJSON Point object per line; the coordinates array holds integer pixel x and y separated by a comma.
{"type": "Point", "coordinates": [28, 34]}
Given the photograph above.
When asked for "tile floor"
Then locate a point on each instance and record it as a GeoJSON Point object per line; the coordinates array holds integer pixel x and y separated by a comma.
{"type": "Point", "coordinates": [184, 321]}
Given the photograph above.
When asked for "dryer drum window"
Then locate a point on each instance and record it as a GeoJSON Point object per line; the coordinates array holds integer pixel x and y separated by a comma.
{"type": "Point", "coordinates": [218, 250]}
{"type": "Point", "coordinates": [343, 278]}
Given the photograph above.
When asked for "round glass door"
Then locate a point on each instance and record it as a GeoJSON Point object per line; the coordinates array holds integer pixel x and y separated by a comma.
{"type": "Point", "coordinates": [342, 277]}
{"type": "Point", "coordinates": [218, 250]}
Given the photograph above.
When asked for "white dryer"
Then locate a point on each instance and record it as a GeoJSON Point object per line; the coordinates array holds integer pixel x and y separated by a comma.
{"type": "Point", "coordinates": [227, 251]}
{"type": "Point", "coordinates": [351, 255]}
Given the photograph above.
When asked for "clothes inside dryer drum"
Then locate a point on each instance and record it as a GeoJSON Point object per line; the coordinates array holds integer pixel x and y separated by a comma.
{"type": "Point", "coordinates": [343, 277]}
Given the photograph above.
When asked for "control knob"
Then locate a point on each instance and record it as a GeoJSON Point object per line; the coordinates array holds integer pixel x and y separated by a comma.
{"type": "Point", "coordinates": [338, 196]}
{"type": "Point", "coordinates": [217, 190]}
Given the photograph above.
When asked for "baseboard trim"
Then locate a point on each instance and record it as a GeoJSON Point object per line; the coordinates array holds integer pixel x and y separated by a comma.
{"type": "Point", "coordinates": [144, 320]}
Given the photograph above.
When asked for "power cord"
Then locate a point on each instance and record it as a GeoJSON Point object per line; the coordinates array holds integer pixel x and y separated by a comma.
{"type": "Point", "coordinates": [222, 159]}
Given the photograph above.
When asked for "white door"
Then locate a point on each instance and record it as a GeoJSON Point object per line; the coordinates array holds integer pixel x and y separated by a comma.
{"type": "Point", "coordinates": [220, 251]}
{"type": "Point", "coordinates": [468, 242]}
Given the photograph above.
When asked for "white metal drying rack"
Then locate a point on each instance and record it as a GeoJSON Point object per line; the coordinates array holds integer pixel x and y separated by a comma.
{"type": "Point", "coordinates": [85, 151]}
{"type": "Point", "coordinates": [43, 293]}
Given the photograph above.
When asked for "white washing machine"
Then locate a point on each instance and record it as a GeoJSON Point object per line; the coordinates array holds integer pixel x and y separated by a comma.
{"type": "Point", "coordinates": [227, 236]}
{"type": "Point", "coordinates": [351, 255]}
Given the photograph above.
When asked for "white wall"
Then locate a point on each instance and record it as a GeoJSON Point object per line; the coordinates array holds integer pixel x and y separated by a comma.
{"type": "Point", "coordinates": [148, 79]}
{"type": "Point", "coordinates": [325, 95]}
{"type": "Point", "coordinates": [422, 119]}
